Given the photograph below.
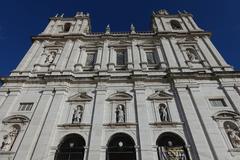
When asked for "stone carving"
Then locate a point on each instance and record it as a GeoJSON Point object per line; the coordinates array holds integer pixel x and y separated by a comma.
{"type": "Point", "coordinates": [192, 56]}
{"type": "Point", "coordinates": [233, 135]}
{"type": "Point", "coordinates": [77, 114]}
{"type": "Point", "coordinates": [163, 111]}
{"type": "Point", "coordinates": [171, 152]}
{"type": "Point", "coordinates": [9, 139]}
{"type": "Point", "coordinates": [162, 12]}
{"type": "Point", "coordinates": [120, 114]}
{"type": "Point", "coordinates": [132, 29]}
{"type": "Point", "coordinates": [108, 30]}
{"type": "Point", "coordinates": [50, 58]}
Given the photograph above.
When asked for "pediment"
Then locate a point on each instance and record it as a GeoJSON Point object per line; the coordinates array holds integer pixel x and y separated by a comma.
{"type": "Point", "coordinates": [16, 119]}
{"type": "Point", "coordinates": [80, 97]}
{"type": "Point", "coordinates": [160, 95]}
{"type": "Point", "coordinates": [120, 96]}
{"type": "Point", "coordinates": [226, 115]}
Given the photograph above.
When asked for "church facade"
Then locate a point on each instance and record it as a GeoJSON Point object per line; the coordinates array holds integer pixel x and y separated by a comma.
{"type": "Point", "coordinates": [164, 94]}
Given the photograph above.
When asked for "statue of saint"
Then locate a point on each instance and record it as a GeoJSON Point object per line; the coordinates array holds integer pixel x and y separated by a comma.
{"type": "Point", "coordinates": [9, 139]}
{"type": "Point", "coordinates": [120, 114]}
{"type": "Point", "coordinates": [50, 58]}
{"type": "Point", "coordinates": [77, 114]}
{"type": "Point", "coordinates": [234, 136]}
{"type": "Point", "coordinates": [192, 55]}
{"type": "Point", "coordinates": [163, 113]}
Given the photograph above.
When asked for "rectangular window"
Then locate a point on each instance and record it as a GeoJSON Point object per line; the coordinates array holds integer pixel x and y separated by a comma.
{"type": "Point", "coordinates": [25, 107]}
{"type": "Point", "coordinates": [219, 102]}
{"type": "Point", "coordinates": [90, 59]}
{"type": "Point", "coordinates": [151, 57]}
{"type": "Point", "coordinates": [121, 57]}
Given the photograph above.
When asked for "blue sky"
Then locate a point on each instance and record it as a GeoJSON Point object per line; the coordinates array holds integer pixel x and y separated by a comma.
{"type": "Point", "coordinates": [20, 19]}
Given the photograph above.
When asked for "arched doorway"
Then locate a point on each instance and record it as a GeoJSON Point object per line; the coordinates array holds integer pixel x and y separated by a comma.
{"type": "Point", "coordinates": [171, 147]}
{"type": "Point", "coordinates": [71, 148]}
{"type": "Point", "coordinates": [121, 147]}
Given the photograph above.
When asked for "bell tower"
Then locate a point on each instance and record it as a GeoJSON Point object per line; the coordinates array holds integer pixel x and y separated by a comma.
{"type": "Point", "coordinates": [59, 25]}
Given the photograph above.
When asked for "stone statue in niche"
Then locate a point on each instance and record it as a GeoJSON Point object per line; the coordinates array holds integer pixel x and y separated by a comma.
{"type": "Point", "coordinates": [50, 58]}
{"type": "Point", "coordinates": [9, 139]}
{"type": "Point", "coordinates": [234, 136]}
{"type": "Point", "coordinates": [120, 114]}
{"type": "Point", "coordinates": [163, 111]}
{"type": "Point", "coordinates": [192, 55]}
{"type": "Point", "coordinates": [77, 114]}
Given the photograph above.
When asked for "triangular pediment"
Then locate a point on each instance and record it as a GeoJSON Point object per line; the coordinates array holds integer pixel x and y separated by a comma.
{"type": "Point", "coordinates": [160, 95]}
{"type": "Point", "coordinates": [80, 97]}
{"type": "Point", "coordinates": [120, 96]}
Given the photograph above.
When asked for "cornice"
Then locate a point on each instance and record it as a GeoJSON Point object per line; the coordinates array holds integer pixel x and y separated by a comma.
{"type": "Point", "coordinates": [115, 78]}
{"type": "Point", "coordinates": [119, 35]}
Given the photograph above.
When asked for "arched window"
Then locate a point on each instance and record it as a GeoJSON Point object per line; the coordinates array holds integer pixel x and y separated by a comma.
{"type": "Point", "coordinates": [164, 113]}
{"type": "Point", "coordinates": [120, 113]}
{"type": "Point", "coordinates": [9, 139]}
{"type": "Point", "coordinates": [233, 133]}
{"type": "Point", "coordinates": [121, 147]}
{"type": "Point", "coordinates": [71, 148]}
{"type": "Point", "coordinates": [171, 146]}
{"type": "Point", "coordinates": [67, 27]}
{"type": "Point", "coordinates": [192, 54]}
{"type": "Point", "coordinates": [175, 25]}
{"type": "Point", "coordinates": [77, 114]}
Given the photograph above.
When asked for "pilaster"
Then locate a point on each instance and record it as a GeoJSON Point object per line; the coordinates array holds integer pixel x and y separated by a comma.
{"type": "Point", "coordinates": [65, 55]}
{"type": "Point", "coordinates": [143, 58]}
{"type": "Point", "coordinates": [48, 131]}
{"type": "Point", "coordinates": [74, 55]}
{"type": "Point", "coordinates": [97, 65]}
{"type": "Point", "coordinates": [143, 131]}
{"type": "Point", "coordinates": [27, 147]}
{"type": "Point", "coordinates": [97, 123]}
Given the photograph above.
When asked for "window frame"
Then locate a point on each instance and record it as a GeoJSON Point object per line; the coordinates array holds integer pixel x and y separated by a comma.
{"type": "Point", "coordinates": [25, 106]}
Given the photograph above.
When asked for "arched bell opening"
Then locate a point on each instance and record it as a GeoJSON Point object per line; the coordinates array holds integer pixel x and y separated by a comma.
{"type": "Point", "coordinates": [71, 148]}
{"type": "Point", "coordinates": [121, 147]}
{"type": "Point", "coordinates": [171, 146]}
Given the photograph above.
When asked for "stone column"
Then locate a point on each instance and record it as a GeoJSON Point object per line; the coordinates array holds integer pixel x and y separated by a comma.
{"type": "Point", "coordinates": [161, 57]}
{"type": "Point", "coordinates": [105, 55]}
{"type": "Point", "coordinates": [143, 134]}
{"type": "Point", "coordinates": [44, 136]}
{"type": "Point", "coordinates": [129, 58]}
{"type": "Point", "coordinates": [78, 25]}
{"type": "Point", "coordinates": [35, 61]}
{"type": "Point", "coordinates": [112, 59]}
{"type": "Point", "coordinates": [74, 56]}
{"type": "Point", "coordinates": [49, 27]}
{"type": "Point", "coordinates": [143, 58]}
{"type": "Point", "coordinates": [64, 55]}
{"type": "Point", "coordinates": [187, 23]}
{"type": "Point", "coordinates": [8, 103]}
{"type": "Point", "coordinates": [178, 54]}
{"type": "Point", "coordinates": [136, 56]}
{"type": "Point", "coordinates": [216, 54]}
{"type": "Point", "coordinates": [172, 62]}
{"type": "Point", "coordinates": [97, 123]}
{"type": "Point", "coordinates": [97, 65]}
{"type": "Point", "coordinates": [193, 23]}
{"type": "Point", "coordinates": [3, 96]}
{"type": "Point", "coordinates": [193, 128]}
{"type": "Point", "coordinates": [80, 63]}
{"type": "Point", "coordinates": [212, 62]}
{"type": "Point", "coordinates": [209, 127]}
{"type": "Point", "coordinates": [29, 55]}
{"type": "Point", "coordinates": [27, 147]}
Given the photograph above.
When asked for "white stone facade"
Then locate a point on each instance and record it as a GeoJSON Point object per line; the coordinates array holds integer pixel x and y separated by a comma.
{"type": "Point", "coordinates": [143, 90]}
